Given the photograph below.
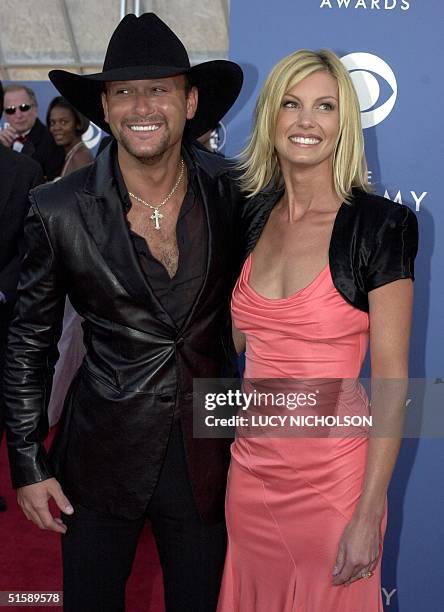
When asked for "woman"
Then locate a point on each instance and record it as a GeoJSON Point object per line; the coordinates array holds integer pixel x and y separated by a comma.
{"type": "Point", "coordinates": [67, 125]}
{"type": "Point", "coordinates": [329, 269]}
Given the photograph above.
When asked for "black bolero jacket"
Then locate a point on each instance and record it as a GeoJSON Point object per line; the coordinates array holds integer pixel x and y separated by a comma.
{"type": "Point", "coordinates": [374, 242]}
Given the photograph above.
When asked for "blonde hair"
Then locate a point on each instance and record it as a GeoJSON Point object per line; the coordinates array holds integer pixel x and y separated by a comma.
{"type": "Point", "coordinates": [258, 162]}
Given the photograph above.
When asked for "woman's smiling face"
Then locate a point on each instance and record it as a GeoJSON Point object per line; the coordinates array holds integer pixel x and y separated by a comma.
{"type": "Point", "coordinates": [307, 126]}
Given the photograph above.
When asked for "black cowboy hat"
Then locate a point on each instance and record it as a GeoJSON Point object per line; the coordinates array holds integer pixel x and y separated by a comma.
{"type": "Point", "coordinates": [145, 48]}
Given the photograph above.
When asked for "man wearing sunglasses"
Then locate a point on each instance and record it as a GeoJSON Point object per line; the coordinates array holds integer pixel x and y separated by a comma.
{"type": "Point", "coordinates": [25, 133]}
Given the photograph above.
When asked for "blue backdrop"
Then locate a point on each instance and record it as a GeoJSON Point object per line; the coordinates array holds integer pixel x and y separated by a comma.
{"type": "Point", "coordinates": [394, 51]}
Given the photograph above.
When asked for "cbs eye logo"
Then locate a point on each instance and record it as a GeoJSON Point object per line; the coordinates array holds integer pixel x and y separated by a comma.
{"type": "Point", "coordinates": [92, 136]}
{"type": "Point", "coordinates": [218, 137]}
{"type": "Point", "coordinates": [362, 68]}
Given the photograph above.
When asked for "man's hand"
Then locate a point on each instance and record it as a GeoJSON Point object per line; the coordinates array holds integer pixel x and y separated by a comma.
{"type": "Point", "coordinates": [7, 136]}
{"type": "Point", "coordinates": [33, 500]}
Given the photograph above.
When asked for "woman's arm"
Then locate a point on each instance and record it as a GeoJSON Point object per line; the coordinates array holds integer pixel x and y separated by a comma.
{"type": "Point", "coordinates": [390, 321]}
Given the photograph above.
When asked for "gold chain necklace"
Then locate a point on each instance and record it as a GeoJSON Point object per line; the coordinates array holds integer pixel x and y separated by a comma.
{"type": "Point", "coordinates": [156, 216]}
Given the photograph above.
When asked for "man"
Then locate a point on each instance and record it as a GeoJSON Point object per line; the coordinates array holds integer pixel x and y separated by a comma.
{"type": "Point", "coordinates": [27, 134]}
{"type": "Point", "coordinates": [18, 175]}
{"type": "Point", "coordinates": [143, 242]}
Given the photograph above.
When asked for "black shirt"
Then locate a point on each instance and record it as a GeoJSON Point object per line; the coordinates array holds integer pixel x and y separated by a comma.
{"type": "Point", "coordinates": [176, 294]}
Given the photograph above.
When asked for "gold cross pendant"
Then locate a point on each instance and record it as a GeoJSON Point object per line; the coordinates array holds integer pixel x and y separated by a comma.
{"type": "Point", "coordinates": [155, 217]}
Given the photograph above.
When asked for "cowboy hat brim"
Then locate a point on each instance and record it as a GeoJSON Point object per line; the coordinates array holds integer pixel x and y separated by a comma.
{"type": "Point", "coordinates": [218, 82]}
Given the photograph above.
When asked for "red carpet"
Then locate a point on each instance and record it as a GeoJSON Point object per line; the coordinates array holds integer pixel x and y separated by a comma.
{"type": "Point", "coordinates": [30, 558]}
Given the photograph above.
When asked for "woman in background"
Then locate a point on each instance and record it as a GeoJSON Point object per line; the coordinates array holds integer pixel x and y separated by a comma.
{"type": "Point", "coordinates": [67, 126]}
{"type": "Point", "coordinates": [329, 270]}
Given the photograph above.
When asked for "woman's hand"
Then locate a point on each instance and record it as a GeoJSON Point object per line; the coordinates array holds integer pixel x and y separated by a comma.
{"type": "Point", "coordinates": [358, 551]}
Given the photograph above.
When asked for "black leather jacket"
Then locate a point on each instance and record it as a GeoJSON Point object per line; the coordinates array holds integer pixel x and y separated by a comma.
{"type": "Point", "coordinates": [118, 414]}
{"type": "Point", "coordinates": [374, 241]}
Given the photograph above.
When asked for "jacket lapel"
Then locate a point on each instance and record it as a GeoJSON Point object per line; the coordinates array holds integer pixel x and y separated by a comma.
{"type": "Point", "coordinates": [255, 216]}
{"type": "Point", "coordinates": [103, 213]}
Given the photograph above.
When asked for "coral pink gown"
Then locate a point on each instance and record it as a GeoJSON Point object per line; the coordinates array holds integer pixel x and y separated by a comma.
{"type": "Point", "coordinates": [289, 499]}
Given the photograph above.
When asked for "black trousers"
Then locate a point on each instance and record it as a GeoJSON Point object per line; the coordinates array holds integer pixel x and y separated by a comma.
{"type": "Point", "coordinates": [98, 550]}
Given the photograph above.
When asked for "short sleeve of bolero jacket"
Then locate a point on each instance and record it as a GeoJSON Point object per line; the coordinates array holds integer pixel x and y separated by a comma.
{"type": "Point", "coordinates": [374, 242]}
{"type": "Point", "coordinates": [394, 250]}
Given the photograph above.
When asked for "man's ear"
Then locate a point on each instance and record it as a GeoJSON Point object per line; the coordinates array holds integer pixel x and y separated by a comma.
{"type": "Point", "coordinates": [105, 106]}
{"type": "Point", "coordinates": [192, 100]}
